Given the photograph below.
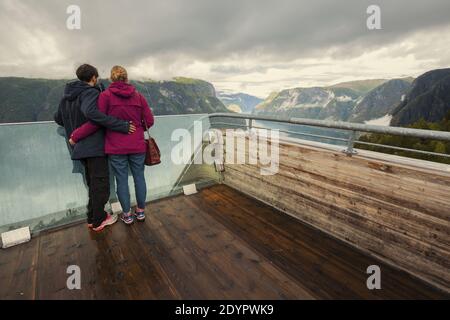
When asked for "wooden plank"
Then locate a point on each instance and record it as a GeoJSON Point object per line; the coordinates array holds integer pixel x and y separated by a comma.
{"type": "Point", "coordinates": [409, 222]}
{"type": "Point", "coordinates": [262, 280]}
{"type": "Point", "coordinates": [313, 254]}
{"type": "Point", "coordinates": [185, 271]}
{"type": "Point", "coordinates": [411, 188]}
{"type": "Point", "coordinates": [18, 267]}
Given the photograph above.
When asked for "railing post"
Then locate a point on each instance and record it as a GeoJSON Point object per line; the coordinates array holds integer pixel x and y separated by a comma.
{"type": "Point", "coordinates": [350, 144]}
{"type": "Point", "coordinates": [250, 124]}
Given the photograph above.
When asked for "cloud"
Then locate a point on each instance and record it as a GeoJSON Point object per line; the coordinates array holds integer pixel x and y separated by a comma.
{"type": "Point", "coordinates": [258, 45]}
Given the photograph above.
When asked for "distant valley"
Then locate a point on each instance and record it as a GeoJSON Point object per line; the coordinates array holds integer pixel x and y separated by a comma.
{"type": "Point", "coordinates": [239, 102]}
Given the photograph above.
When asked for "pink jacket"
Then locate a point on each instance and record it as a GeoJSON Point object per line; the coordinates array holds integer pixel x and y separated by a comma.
{"type": "Point", "coordinates": [122, 101]}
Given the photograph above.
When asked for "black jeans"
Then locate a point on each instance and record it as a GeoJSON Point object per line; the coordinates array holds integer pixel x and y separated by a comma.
{"type": "Point", "coordinates": [97, 179]}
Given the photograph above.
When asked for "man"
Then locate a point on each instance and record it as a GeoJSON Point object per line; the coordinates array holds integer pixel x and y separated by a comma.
{"type": "Point", "coordinates": [79, 105]}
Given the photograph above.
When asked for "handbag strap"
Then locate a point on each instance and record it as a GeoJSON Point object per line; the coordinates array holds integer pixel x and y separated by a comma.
{"type": "Point", "coordinates": [145, 122]}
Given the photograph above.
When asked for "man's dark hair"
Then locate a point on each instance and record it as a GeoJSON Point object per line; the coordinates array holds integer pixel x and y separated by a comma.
{"type": "Point", "coordinates": [85, 72]}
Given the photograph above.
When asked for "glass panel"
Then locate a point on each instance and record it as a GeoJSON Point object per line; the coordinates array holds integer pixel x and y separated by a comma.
{"type": "Point", "coordinates": [41, 187]}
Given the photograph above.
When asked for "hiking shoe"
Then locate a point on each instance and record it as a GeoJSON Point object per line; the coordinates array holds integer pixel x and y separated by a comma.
{"type": "Point", "coordinates": [110, 219]}
{"type": "Point", "coordinates": [140, 216]}
{"type": "Point", "coordinates": [127, 218]}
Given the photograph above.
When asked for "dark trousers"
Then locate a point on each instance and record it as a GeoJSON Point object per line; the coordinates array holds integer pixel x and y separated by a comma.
{"type": "Point", "coordinates": [97, 179]}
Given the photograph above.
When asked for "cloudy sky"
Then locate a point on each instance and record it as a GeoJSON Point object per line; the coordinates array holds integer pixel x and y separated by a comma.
{"type": "Point", "coordinates": [253, 46]}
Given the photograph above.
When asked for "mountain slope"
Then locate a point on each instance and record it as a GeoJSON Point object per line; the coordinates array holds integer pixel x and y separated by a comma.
{"type": "Point", "coordinates": [355, 101]}
{"type": "Point", "coordinates": [428, 99]}
{"type": "Point", "coordinates": [24, 100]}
{"type": "Point", "coordinates": [180, 96]}
{"type": "Point", "coordinates": [380, 101]}
{"type": "Point", "coordinates": [316, 103]}
{"type": "Point", "coordinates": [245, 102]}
{"type": "Point", "coordinates": [360, 86]}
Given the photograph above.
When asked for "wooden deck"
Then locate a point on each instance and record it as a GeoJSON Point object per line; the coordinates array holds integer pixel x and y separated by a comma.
{"type": "Point", "coordinates": [217, 244]}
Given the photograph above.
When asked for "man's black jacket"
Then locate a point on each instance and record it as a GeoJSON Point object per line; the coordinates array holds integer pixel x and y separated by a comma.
{"type": "Point", "coordinates": [79, 105]}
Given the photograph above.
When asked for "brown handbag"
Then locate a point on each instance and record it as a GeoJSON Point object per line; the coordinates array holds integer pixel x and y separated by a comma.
{"type": "Point", "coordinates": [152, 153]}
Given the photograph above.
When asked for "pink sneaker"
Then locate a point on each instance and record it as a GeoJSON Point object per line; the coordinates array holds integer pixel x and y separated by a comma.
{"type": "Point", "coordinates": [110, 219]}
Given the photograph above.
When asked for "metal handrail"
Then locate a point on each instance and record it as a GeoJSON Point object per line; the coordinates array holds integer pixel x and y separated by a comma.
{"type": "Point", "coordinates": [403, 149]}
{"type": "Point", "coordinates": [287, 131]}
{"type": "Point", "coordinates": [352, 128]}
{"type": "Point", "coordinates": [205, 115]}
{"type": "Point", "coordinates": [349, 126]}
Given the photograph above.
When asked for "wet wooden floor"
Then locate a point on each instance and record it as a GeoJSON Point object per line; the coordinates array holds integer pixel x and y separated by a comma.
{"type": "Point", "coordinates": [217, 244]}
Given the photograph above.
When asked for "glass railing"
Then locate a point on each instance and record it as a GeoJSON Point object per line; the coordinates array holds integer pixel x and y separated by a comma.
{"type": "Point", "coordinates": [41, 187]}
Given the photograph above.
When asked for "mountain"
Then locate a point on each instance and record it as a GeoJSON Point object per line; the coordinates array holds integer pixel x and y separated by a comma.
{"type": "Point", "coordinates": [239, 102]}
{"type": "Point", "coordinates": [428, 99]}
{"type": "Point", "coordinates": [360, 86]}
{"type": "Point", "coordinates": [317, 103]}
{"type": "Point", "coordinates": [24, 99]}
{"type": "Point", "coordinates": [180, 96]}
{"type": "Point", "coordinates": [380, 102]}
{"type": "Point", "coordinates": [370, 101]}
{"type": "Point", "coordinates": [426, 106]}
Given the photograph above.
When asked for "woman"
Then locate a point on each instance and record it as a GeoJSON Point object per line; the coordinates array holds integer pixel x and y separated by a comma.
{"type": "Point", "coordinates": [121, 100]}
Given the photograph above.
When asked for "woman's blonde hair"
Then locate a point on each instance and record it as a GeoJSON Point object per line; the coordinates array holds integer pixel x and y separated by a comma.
{"type": "Point", "coordinates": [119, 73]}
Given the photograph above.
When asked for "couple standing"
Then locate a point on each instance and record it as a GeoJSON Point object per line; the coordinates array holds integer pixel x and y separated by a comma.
{"type": "Point", "coordinates": [107, 125]}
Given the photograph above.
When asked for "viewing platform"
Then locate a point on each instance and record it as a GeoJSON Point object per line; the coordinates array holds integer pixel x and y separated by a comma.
{"type": "Point", "coordinates": [308, 230]}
